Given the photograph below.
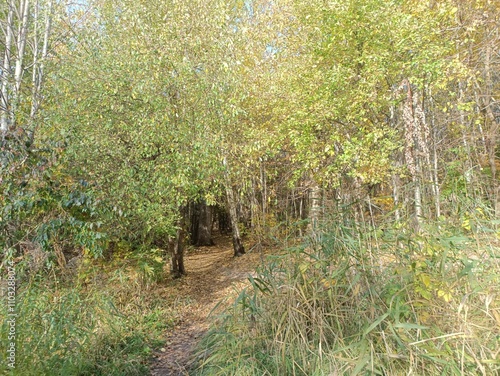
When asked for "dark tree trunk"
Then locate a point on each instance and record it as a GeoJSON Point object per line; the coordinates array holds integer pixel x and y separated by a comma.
{"type": "Point", "coordinates": [177, 250]}
{"type": "Point", "coordinates": [204, 225]}
{"type": "Point", "coordinates": [239, 249]}
{"type": "Point", "coordinates": [176, 246]}
{"type": "Point", "coordinates": [194, 217]}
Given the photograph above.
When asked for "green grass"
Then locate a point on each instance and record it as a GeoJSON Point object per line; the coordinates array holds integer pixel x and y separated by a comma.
{"type": "Point", "coordinates": [365, 301]}
{"type": "Point", "coordinates": [99, 324]}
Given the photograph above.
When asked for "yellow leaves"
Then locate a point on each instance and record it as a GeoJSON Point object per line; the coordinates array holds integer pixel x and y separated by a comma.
{"type": "Point", "coordinates": [469, 219]}
{"type": "Point", "coordinates": [384, 202]}
{"type": "Point", "coordinates": [210, 199]}
{"type": "Point", "coordinates": [303, 268]}
{"type": "Point", "coordinates": [426, 280]}
{"type": "Point", "coordinates": [445, 295]}
{"type": "Point", "coordinates": [429, 286]}
{"type": "Point", "coordinates": [480, 212]}
{"type": "Point", "coordinates": [329, 283]}
{"type": "Point", "coordinates": [466, 224]}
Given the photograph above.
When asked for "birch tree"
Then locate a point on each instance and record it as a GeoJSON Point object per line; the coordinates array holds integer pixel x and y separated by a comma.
{"type": "Point", "coordinates": [27, 30]}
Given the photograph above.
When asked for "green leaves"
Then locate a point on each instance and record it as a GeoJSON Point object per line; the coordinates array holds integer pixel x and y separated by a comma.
{"type": "Point", "coordinates": [146, 118]}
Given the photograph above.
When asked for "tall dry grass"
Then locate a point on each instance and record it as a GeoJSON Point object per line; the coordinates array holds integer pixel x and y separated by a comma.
{"type": "Point", "coordinates": [368, 301]}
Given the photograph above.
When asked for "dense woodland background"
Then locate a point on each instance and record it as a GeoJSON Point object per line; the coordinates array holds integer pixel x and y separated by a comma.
{"type": "Point", "coordinates": [357, 138]}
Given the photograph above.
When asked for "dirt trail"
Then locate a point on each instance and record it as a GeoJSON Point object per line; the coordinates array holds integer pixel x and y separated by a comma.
{"type": "Point", "coordinates": [213, 273]}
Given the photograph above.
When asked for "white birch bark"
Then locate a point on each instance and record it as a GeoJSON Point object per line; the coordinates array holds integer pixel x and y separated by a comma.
{"type": "Point", "coordinates": [19, 69]}
{"type": "Point", "coordinates": [6, 69]}
{"type": "Point", "coordinates": [315, 209]}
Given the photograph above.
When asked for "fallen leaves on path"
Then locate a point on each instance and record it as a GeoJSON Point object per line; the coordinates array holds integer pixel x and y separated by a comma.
{"type": "Point", "coordinates": [213, 274]}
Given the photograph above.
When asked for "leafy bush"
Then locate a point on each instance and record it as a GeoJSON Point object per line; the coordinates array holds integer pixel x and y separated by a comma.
{"type": "Point", "coordinates": [45, 214]}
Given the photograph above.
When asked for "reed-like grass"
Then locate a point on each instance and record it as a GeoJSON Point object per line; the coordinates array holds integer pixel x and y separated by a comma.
{"type": "Point", "coordinates": [368, 301]}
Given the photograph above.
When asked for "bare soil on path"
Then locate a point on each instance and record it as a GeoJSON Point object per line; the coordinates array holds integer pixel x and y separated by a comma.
{"type": "Point", "coordinates": [212, 275]}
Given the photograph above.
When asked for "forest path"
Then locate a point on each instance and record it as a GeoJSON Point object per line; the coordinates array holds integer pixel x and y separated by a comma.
{"type": "Point", "coordinates": [212, 274]}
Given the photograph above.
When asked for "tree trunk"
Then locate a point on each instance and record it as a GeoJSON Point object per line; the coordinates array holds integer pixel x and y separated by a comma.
{"type": "Point", "coordinates": [264, 194]}
{"type": "Point", "coordinates": [23, 29]}
{"type": "Point", "coordinates": [396, 180]}
{"type": "Point", "coordinates": [487, 103]}
{"type": "Point", "coordinates": [315, 210]}
{"type": "Point", "coordinates": [239, 249]}
{"type": "Point", "coordinates": [413, 144]}
{"type": "Point", "coordinates": [6, 69]}
{"type": "Point", "coordinates": [435, 162]}
{"type": "Point", "coordinates": [21, 45]}
{"type": "Point", "coordinates": [204, 225]}
{"type": "Point", "coordinates": [176, 246]}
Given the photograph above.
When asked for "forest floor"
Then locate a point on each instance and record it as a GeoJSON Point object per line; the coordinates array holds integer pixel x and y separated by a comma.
{"type": "Point", "coordinates": [213, 275]}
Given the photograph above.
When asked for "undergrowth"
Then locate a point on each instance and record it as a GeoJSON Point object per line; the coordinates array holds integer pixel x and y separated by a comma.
{"type": "Point", "coordinates": [100, 322]}
{"type": "Point", "coordinates": [368, 301]}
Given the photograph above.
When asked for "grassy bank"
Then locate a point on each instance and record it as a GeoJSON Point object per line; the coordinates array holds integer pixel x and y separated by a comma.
{"type": "Point", "coordinates": [102, 321]}
{"type": "Point", "coordinates": [368, 301]}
